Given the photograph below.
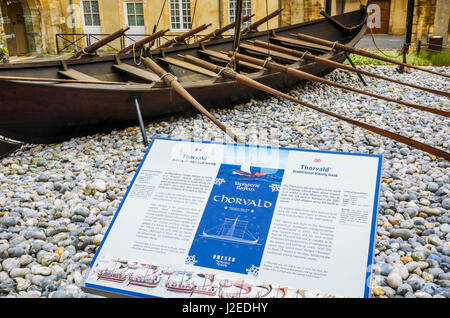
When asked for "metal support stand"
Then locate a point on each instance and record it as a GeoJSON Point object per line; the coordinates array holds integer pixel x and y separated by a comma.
{"type": "Point", "coordinates": [354, 66]}
{"type": "Point", "coordinates": [141, 122]}
{"type": "Point", "coordinates": [405, 50]}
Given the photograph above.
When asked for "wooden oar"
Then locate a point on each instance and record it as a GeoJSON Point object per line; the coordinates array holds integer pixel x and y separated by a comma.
{"type": "Point", "coordinates": [303, 75]}
{"type": "Point", "coordinates": [310, 57]}
{"type": "Point", "coordinates": [346, 48]}
{"type": "Point", "coordinates": [99, 44]}
{"type": "Point", "coordinates": [229, 73]}
{"type": "Point", "coordinates": [184, 36]}
{"type": "Point", "coordinates": [144, 41]}
{"type": "Point", "coordinates": [219, 32]}
{"type": "Point", "coordinates": [261, 21]}
{"type": "Point", "coordinates": [171, 81]}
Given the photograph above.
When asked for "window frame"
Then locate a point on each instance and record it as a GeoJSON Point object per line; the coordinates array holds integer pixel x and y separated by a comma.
{"type": "Point", "coordinates": [180, 15]}
{"type": "Point", "coordinates": [91, 14]}
{"type": "Point", "coordinates": [135, 14]}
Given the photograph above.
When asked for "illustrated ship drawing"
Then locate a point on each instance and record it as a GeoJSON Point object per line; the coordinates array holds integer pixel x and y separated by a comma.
{"type": "Point", "coordinates": [111, 276]}
{"type": "Point", "coordinates": [232, 230]}
{"type": "Point", "coordinates": [144, 281]}
{"type": "Point", "coordinates": [245, 171]}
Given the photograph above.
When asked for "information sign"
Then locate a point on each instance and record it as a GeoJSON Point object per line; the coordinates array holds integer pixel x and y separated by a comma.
{"type": "Point", "coordinates": [204, 219]}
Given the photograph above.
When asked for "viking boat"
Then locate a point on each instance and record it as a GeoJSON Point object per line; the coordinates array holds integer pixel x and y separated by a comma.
{"type": "Point", "coordinates": [205, 290]}
{"type": "Point", "coordinates": [111, 276]}
{"type": "Point", "coordinates": [231, 230]}
{"type": "Point", "coordinates": [52, 101]}
{"type": "Point", "coordinates": [143, 281]}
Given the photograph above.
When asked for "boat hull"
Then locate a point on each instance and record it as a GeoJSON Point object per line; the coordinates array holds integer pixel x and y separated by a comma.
{"type": "Point", "coordinates": [37, 112]}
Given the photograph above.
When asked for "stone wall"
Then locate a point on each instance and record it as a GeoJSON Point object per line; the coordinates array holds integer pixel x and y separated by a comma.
{"type": "Point", "coordinates": [46, 18]}
{"type": "Point", "coordinates": [2, 31]}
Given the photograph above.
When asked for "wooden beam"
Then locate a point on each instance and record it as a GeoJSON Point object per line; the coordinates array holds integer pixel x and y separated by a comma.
{"type": "Point", "coordinates": [137, 72]}
{"type": "Point", "coordinates": [273, 53]}
{"type": "Point", "coordinates": [225, 58]}
{"type": "Point", "coordinates": [300, 43]}
{"type": "Point", "coordinates": [188, 66]}
{"type": "Point", "coordinates": [76, 75]}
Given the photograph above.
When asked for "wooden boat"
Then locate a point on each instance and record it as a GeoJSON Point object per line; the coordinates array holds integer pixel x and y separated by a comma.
{"type": "Point", "coordinates": [101, 95]}
{"type": "Point", "coordinates": [8, 146]}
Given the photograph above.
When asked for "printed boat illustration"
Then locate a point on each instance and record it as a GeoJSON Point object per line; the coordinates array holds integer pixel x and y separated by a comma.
{"type": "Point", "coordinates": [238, 290]}
{"type": "Point", "coordinates": [205, 290]}
{"type": "Point", "coordinates": [267, 290]}
{"type": "Point", "coordinates": [111, 276]}
{"type": "Point", "coordinates": [180, 287]}
{"type": "Point", "coordinates": [232, 230]}
{"type": "Point", "coordinates": [143, 281]}
{"type": "Point", "coordinates": [183, 286]}
{"type": "Point", "coordinates": [225, 283]}
{"type": "Point", "coordinates": [245, 171]}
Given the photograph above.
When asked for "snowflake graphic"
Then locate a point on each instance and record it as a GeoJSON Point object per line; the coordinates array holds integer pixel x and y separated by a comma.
{"type": "Point", "coordinates": [253, 271]}
{"type": "Point", "coordinates": [219, 181]}
{"type": "Point", "coordinates": [275, 187]}
{"type": "Point", "coordinates": [190, 260]}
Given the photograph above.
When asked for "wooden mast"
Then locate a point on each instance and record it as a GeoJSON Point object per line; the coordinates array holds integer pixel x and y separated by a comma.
{"type": "Point", "coordinates": [237, 31]}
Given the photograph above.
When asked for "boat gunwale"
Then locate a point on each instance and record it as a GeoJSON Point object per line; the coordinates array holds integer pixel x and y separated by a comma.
{"type": "Point", "coordinates": [146, 87]}
{"type": "Point", "coordinates": [112, 56]}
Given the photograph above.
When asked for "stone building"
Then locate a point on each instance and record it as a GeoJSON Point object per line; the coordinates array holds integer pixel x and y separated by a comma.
{"type": "Point", "coordinates": [46, 26]}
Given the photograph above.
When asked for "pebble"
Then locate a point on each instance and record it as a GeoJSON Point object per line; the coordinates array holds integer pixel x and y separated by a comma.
{"type": "Point", "coordinates": [57, 201]}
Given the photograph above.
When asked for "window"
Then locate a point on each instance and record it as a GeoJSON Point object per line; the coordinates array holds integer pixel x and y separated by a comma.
{"type": "Point", "coordinates": [135, 14]}
{"type": "Point", "coordinates": [91, 13]}
{"type": "Point", "coordinates": [180, 15]}
{"type": "Point", "coordinates": [246, 10]}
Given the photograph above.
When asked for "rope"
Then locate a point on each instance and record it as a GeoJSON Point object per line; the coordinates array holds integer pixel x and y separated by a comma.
{"type": "Point", "coordinates": [134, 55]}
{"type": "Point", "coordinates": [167, 74]}
{"type": "Point", "coordinates": [160, 14]}
{"type": "Point", "coordinates": [222, 69]}
{"type": "Point", "coordinates": [304, 53]}
{"type": "Point", "coordinates": [87, 53]}
{"type": "Point", "coordinates": [193, 14]}
{"type": "Point", "coordinates": [232, 61]}
{"type": "Point", "coordinates": [268, 60]}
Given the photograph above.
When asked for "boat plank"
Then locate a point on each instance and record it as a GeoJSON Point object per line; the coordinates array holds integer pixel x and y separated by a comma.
{"type": "Point", "coordinates": [188, 66]}
{"type": "Point", "coordinates": [76, 75]}
{"type": "Point", "coordinates": [135, 71]}
{"type": "Point", "coordinates": [300, 43]}
{"type": "Point", "coordinates": [269, 52]}
{"type": "Point", "coordinates": [225, 58]}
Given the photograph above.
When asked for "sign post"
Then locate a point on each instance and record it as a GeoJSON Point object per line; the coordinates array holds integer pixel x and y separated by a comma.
{"type": "Point", "coordinates": [204, 219]}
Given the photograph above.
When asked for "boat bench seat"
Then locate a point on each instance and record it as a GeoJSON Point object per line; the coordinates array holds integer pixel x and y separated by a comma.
{"type": "Point", "coordinates": [272, 53]}
{"type": "Point", "coordinates": [138, 72]}
{"type": "Point", "coordinates": [300, 43]}
{"type": "Point", "coordinates": [76, 75]}
{"type": "Point", "coordinates": [188, 66]}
